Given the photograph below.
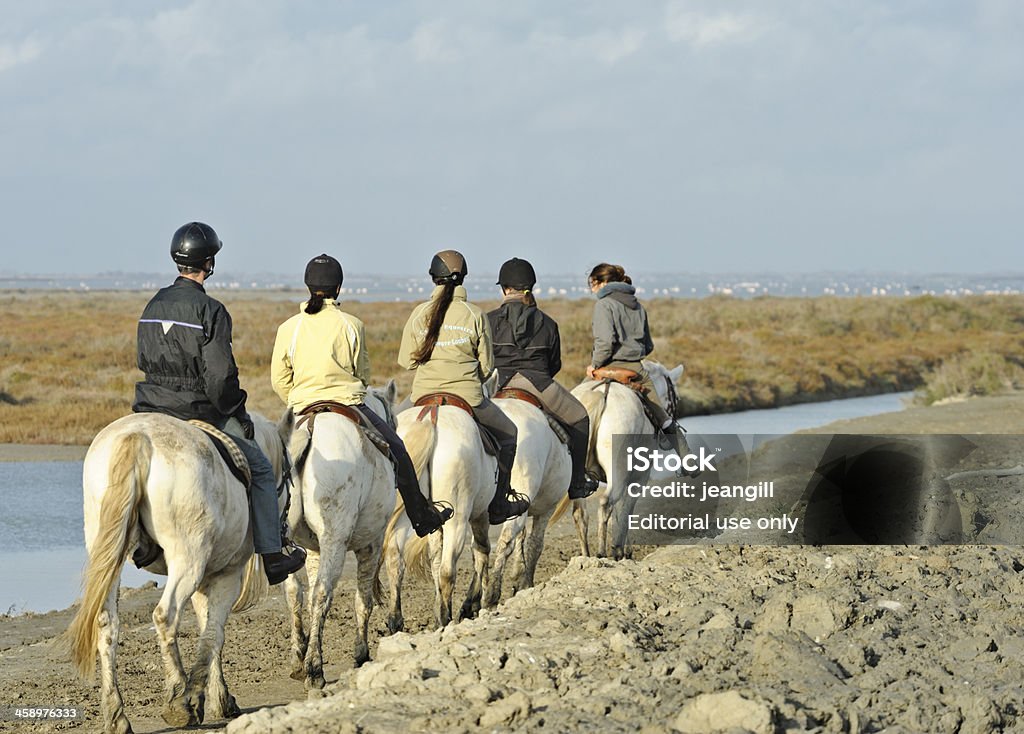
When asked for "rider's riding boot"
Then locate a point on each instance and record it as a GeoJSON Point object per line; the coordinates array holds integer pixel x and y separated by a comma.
{"type": "Point", "coordinates": [279, 566]}
{"type": "Point", "coordinates": [147, 551]}
{"type": "Point", "coordinates": [507, 502]}
{"type": "Point", "coordinates": [431, 517]}
{"type": "Point", "coordinates": [581, 485]}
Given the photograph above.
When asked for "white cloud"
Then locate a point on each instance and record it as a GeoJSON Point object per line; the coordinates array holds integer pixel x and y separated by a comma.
{"type": "Point", "coordinates": [705, 30]}
{"type": "Point", "coordinates": [12, 55]}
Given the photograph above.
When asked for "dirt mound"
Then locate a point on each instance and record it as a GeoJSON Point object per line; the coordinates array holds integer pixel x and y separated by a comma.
{"type": "Point", "coordinates": [705, 639]}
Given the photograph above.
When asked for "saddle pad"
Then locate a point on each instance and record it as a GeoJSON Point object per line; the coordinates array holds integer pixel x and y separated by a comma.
{"type": "Point", "coordinates": [228, 450]}
{"type": "Point", "coordinates": [431, 402]}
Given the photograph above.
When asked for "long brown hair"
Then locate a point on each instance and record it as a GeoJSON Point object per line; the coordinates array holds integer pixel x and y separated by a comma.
{"type": "Point", "coordinates": [607, 273]}
{"type": "Point", "coordinates": [434, 320]}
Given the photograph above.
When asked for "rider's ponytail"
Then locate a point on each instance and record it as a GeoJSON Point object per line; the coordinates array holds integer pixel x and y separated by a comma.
{"type": "Point", "coordinates": [434, 320]}
{"type": "Point", "coordinates": [315, 302]}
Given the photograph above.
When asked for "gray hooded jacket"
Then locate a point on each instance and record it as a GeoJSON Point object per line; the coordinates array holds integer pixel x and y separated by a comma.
{"type": "Point", "coordinates": [621, 332]}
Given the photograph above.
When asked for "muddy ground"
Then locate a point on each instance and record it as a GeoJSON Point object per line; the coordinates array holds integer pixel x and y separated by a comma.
{"type": "Point", "coordinates": [693, 639]}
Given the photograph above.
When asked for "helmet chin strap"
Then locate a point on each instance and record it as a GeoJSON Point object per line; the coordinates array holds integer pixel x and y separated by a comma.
{"type": "Point", "coordinates": [208, 268]}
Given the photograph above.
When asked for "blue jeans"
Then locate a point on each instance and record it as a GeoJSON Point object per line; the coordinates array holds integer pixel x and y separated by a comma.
{"type": "Point", "coordinates": [266, 519]}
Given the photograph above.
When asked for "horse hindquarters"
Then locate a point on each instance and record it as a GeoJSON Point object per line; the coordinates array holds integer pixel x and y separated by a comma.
{"type": "Point", "coordinates": [109, 536]}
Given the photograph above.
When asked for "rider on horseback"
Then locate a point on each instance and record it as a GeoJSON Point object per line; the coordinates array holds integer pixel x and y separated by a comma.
{"type": "Point", "coordinates": [527, 353]}
{"type": "Point", "coordinates": [184, 349]}
{"type": "Point", "coordinates": [622, 336]}
{"type": "Point", "coordinates": [320, 354]}
{"type": "Point", "coordinates": [447, 341]}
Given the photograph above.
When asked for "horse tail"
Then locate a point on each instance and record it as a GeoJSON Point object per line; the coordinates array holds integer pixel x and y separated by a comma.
{"type": "Point", "coordinates": [118, 521]}
{"type": "Point", "coordinates": [560, 509]}
{"type": "Point", "coordinates": [254, 585]}
{"type": "Point", "coordinates": [419, 442]}
{"type": "Point", "coordinates": [417, 557]}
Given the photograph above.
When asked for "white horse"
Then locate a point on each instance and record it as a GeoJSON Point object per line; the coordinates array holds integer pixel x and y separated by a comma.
{"type": "Point", "coordinates": [343, 496]}
{"type": "Point", "coordinates": [618, 413]}
{"type": "Point", "coordinates": [542, 471]}
{"type": "Point", "coordinates": [452, 467]}
{"type": "Point", "coordinates": [166, 475]}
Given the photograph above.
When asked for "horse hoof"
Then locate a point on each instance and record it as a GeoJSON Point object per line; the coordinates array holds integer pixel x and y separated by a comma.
{"type": "Point", "coordinates": [232, 710]}
{"type": "Point", "coordinates": [179, 715]}
{"type": "Point", "coordinates": [298, 674]}
{"type": "Point", "coordinates": [315, 681]}
{"type": "Point", "coordinates": [396, 625]}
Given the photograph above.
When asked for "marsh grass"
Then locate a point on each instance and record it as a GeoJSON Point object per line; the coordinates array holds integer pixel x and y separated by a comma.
{"type": "Point", "coordinates": [68, 359]}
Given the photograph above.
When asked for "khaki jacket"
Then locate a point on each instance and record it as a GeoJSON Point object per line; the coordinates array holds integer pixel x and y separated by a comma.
{"type": "Point", "coordinates": [320, 356]}
{"type": "Point", "coordinates": [463, 356]}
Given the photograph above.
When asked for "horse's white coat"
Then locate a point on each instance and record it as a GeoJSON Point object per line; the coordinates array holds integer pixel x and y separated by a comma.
{"type": "Point", "coordinates": [452, 467]}
{"type": "Point", "coordinates": [343, 497]}
{"type": "Point", "coordinates": [542, 471]}
{"type": "Point", "coordinates": [166, 474]}
{"type": "Point", "coordinates": [621, 414]}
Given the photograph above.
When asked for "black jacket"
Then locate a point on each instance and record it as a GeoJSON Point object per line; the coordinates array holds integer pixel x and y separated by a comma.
{"type": "Point", "coordinates": [525, 340]}
{"type": "Point", "coordinates": [184, 349]}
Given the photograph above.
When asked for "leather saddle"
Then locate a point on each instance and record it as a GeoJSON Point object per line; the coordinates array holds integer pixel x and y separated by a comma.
{"type": "Point", "coordinates": [515, 393]}
{"type": "Point", "coordinates": [621, 375]}
{"type": "Point", "coordinates": [228, 450]}
{"type": "Point", "coordinates": [308, 416]}
{"type": "Point", "coordinates": [432, 401]}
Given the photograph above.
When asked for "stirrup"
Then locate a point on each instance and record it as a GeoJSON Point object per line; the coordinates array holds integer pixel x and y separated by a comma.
{"type": "Point", "coordinates": [512, 504]}
{"type": "Point", "coordinates": [444, 513]}
{"type": "Point", "coordinates": [584, 489]}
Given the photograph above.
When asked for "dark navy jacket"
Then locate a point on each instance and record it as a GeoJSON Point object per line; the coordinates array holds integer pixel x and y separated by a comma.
{"type": "Point", "coordinates": [184, 350]}
{"type": "Point", "coordinates": [525, 340]}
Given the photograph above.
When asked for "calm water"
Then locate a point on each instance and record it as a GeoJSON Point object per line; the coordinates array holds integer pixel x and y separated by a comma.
{"type": "Point", "coordinates": [43, 549]}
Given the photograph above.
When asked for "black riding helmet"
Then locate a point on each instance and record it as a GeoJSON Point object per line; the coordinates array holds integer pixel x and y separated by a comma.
{"type": "Point", "coordinates": [323, 273]}
{"type": "Point", "coordinates": [517, 273]}
{"type": "Point", "coordinates": [194, 243]}
{"type": "Point", "coordinates": [448, 266]}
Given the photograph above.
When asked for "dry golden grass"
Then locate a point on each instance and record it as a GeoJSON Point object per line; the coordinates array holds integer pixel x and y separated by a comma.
{"type": "Point", "coordinates": [68, 363]}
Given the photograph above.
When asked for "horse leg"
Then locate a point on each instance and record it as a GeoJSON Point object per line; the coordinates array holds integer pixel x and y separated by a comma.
{"type": "Point", "coordinates": [518, 563]}
{"type": "Point", "coordinates": [367, 587]}
{"type": "Point", "coordinates": [114, 719]}
{"type": "Point", "coordinates": [481, 555]}
{"type": "Point", "coordinates": [332, 561]}
{"type": "Point", "coordinates": [295, 587]}
{"type": "Point", "coordinates": [582, 521]}
{"type": "Point", "coordinates": [178, 711]}
{"type": "Point", "coordinates": [445, 564]}
{"type": "Point", "coordinates": [212, 602]}
{"type": "Point", "coordinates": [507, 542]}
{"type": "Point", "coordinates": [534, 545]}
{"type": "Point", "coordinates": [603, 516]}
{"type": "Point", "coordinates": [394, 560]}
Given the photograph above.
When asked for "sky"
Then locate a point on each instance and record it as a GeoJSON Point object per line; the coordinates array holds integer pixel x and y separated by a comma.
{"type": "Point", "coordinates": [678, 136]}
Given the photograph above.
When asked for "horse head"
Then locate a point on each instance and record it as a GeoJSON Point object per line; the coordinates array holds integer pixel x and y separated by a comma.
{"type": "Point", "coordinates": [665, 381]}
{"type": "Point", "coordinates": [381, 400]}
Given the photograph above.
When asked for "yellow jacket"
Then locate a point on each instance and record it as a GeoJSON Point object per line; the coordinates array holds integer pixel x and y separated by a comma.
{"type": "Point", "coordinates": [463, 356]}
{"type": "Point", "coordinates": [320, 356]}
